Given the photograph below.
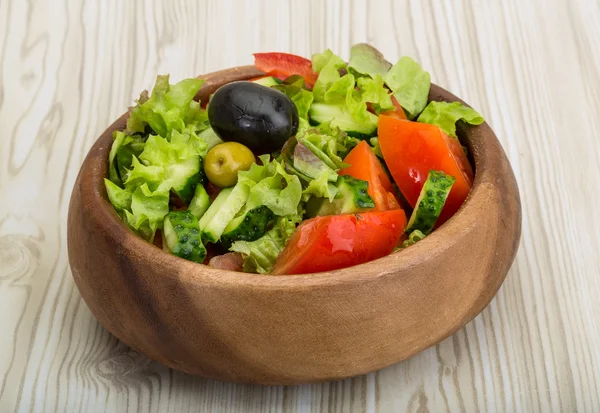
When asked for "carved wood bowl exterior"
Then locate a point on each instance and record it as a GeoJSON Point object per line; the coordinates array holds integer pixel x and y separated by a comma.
{"type": "Point", "coordinates": [294, 329]}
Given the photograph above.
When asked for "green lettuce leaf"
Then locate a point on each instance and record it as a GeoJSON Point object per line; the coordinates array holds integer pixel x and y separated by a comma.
{"type": "Point", "coordinates": [372, 90]}
{"type": "Point", "coordinates": [413, 238]}
{"type": "Point", "coordinates": [321, 60]}
{"type": "Point", "coordinates": [342, 101]}
{"type": "Point", "coordinates": [260, 255]}
{"type": "Point", "coordinates": [320, 187]}
{"type": "Point", "coordinates": [160, 152]}
{"type": "Point", "coordinates": [133, 146]}
{"type": "Point", "coordinates": [113, 173]}
{"type": "Point", "coordinates": [148, 207]}
{"type": "Point", "coordinates": [196, 117]}
{"type": "Point", "coordinates": [143, 230]}
{"type": "Point", "coordinates": [120, 198]}
{"type": "Point", "coordinates": [210, 137]}
{"type": "Point", "coordinates": [327, 65]}
{"type": "Point", "coordinates": [123, 149]}
{"type": "Point", "coordinates": [179, 160]}
{"type": "Point", "coordinates": [271, 185]}
{"type": "Point", "coordinates": [141, 174]}
{"type": "Point", "coordinates": [366, 60]}
{"type": "Point", "coordinates": [322, 177]}
{"type": "Point", "coordinates": [306, 161]}
{"type": "Point", "coordinates": [410, 84]}
{"type": "Point", "coordinates": [340, 90]}
{"type": "Point", "coordinates": [376, 147]}
{"type": "Point", "coordinates": [339, 115]}
{"type": "Point", "coordinates": [328, 143]}
{"type": "Point", "coordinates": [279, 191]}
{"type": "Point", "coordinates": [169, 107]}
{"type": "Point", "coordinates": [445, 115]}
{"type": "Point", "coordinates": [293, 87]}
{"type": "Point", "coordinates": [257, 172]}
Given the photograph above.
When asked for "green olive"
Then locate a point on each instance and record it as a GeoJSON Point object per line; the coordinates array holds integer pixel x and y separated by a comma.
{"type": "Point", "coordinates": [223, 162]}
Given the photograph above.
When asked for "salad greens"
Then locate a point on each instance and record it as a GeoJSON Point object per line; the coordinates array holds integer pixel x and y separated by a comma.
{"type": "Point", "coordinates": [156, 175]}
{"type": "Point", "coordinates": [342, 101]}
{"type": "Point", "coordinates": [410, 84]}
{"type": "Point", "coordinates": [260, 255]}
{"type": "Point", "coordinates": [270, 185]}
{"type": "Point", "coordinates": [445, 115]}
{"type": "Point", "coordinates": [160, 151]}
{"type": "Point", "coordinates": [413, 238]}
{"type": "Point", "coordinates": [169, 107]}
{"type": "Point", "coordinates": [367, 61]}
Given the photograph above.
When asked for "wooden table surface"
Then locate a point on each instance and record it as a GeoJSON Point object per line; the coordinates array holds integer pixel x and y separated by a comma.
{"type": "Point", "coordinates": [68, 68]}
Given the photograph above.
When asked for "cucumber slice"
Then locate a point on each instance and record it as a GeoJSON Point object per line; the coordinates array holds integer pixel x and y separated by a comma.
{"type": "Point", "coordinates": [430, 203]}
{"type": "Point", "coordinates": [267, 81]}
{"type": "Point", "coordinates": [182, 236]}
{"type": "Point", "coordinates": [219, 214]}
{"type": "Point", "coordinates": [352, 197]}
{"type": "Point", "coordinates": [185, 176]}
{"type": "Point", "coordinates": [249, 226]}
{"type": "Point", "coordinates": [217, 204]}
{"type": "Point", "coordinates": [200, 202]}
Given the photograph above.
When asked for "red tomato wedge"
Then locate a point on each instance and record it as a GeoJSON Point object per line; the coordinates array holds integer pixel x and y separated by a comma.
{"type": "Point", "coordinates": [338, 241]}
{"type": "Point", "coordinates": [412, 149]}
{"type": "Point", "coordinates": [283, 65]}
{"type": "Point", "coordinates": [365, 165]}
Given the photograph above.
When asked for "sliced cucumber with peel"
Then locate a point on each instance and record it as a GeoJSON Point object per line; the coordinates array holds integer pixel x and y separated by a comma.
{"type": "Point", "coordinates": [249, 226]}
{"type": "Point", "coordinates": [224, 208]}
{"type": "Point", "coordinates": [267, 81]}
{"type": "Point", "coordinates": [182, 236]}
{"type": "Point", "coordinates": [200, 202]}
{"type": "Point", "coordinates": [431, 202]}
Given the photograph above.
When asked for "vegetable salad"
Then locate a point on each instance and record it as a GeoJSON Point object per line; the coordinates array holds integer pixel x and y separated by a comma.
{"type": "Point", "coordinates": [318, 165]}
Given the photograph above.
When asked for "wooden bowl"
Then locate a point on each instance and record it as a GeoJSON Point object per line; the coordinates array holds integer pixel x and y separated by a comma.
{"type": "Point", "coordinates": [293, 329]}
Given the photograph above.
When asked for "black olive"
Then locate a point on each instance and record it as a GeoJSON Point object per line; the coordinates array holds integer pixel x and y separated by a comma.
{"type": "Point", "coordinates": [254, 115]}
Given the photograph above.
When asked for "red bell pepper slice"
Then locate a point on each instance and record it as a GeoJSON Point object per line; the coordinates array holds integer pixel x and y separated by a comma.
{"type": "Point", "coordinates": [284, 65]}
{"type": "Point", "coordinates": [339, 241]}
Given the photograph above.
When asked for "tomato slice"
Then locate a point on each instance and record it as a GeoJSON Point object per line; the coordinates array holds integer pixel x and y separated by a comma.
{"type": "Point", "coordinates": [365, 165]}
{"type": "Point", "coordinates": [284, 65]}
{"type": "Point", "coordinates": [412, 149]}
{"type": "Point", "coordinates": [338, 241]}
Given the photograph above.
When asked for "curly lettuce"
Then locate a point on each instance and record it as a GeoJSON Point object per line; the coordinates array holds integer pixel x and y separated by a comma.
{"type": "Point", "coordinates": [343, 100]}
{"type": "Point", "coordinates": [260, 255]}
{"type": "Point", "coordinates": [272, 186]}
{"type": "Point", "coordinates": [159, 153]}
{"type": "Point", "coordinates": [445, 115]}
{"type": "Point", "coordinates": [367, 61]}
{"type": "Point", "coordinates": [410, 84]}
{"type": "Point", "coordinates": [327, 65]}
{"type": "Point", "coordinates": [170, 107]}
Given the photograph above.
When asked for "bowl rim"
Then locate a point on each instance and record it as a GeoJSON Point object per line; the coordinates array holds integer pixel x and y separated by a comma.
{"type": "Point", "coordinates": [101, 210]}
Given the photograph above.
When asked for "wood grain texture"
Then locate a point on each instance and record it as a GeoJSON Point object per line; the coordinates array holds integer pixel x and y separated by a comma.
{"type": "Point", "coordinates": [68, 68]}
